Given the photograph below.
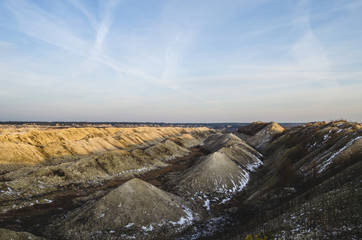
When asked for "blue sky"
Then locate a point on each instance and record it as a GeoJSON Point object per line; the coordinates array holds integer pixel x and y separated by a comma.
{"type": "Point", "coordinates": [181, 61]}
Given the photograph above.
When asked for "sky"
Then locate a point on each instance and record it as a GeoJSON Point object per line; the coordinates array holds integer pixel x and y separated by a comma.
{"type": "Point", "coordinates": [180, 60]}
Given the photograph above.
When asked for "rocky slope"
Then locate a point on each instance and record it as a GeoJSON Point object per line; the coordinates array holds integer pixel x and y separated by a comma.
{"type": "Point", "coordinates": [135, 210]}
{"type": "Point", "coordinates": [180, 183]}
{"type": "Point", "coordinates": [220, 175]}
{"type": "Point", "coordinates": [213, 180]}
{"type": "Point", "coordinates": [84, 157]}
{"type": "Point", "coordinates": [259, 134]}
{"type": "Point", "coordinates": [78, 178]}
{"type": "Point", "coordinates": [36, 146]}
{"type": "Point", "coordinates": [309, 187]}
{"type": "Point", "coordinates": [13, 235]}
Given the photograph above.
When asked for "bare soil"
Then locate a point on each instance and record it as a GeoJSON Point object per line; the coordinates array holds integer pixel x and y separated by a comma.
{"type": "Point", "coordinates": [34, 219]}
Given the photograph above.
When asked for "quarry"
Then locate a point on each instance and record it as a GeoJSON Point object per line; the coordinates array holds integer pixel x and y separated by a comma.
{"type": "Point", "coordinates": [181, 182]}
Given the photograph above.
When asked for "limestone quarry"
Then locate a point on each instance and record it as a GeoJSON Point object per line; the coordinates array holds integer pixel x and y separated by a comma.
{"type": "Point", "coordinates": [106, 182]}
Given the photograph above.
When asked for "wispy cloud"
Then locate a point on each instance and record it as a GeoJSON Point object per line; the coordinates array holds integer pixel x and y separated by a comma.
{"type": "Point", "coordinates": [37, 23]}
{"type": "Point", "coordinates": [103, 27]}
{"type": "Point", "coordinates": [309, 51]}
{"type": "Point", "coordinates": [125, 69]}
{"type": "Point", "coordinates": [174, 53]}
{"type": "Point", "coordinates": [206, 60]}
{"type": "Point", "coordinates": [6, 44]}
{"type": "Point", "coordinates": [82, 8]}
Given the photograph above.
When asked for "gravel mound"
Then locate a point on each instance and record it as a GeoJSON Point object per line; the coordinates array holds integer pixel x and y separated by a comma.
{"type": "Point", "coordinates": [136, 209]}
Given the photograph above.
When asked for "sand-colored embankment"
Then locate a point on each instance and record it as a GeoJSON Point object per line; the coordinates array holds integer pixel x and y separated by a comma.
{"type": "Point", "coordinates": [101, 154]}
{"type": "Point", "coordinates": [36, 145]}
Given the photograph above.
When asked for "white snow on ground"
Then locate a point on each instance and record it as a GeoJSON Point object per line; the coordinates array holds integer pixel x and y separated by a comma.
{"type": "Point", "coordinates": [17, 206]}
{"type": "Point", "coordinates": [325, 137]}
{"type": "Point", "coordinates": [296, 226]}
{"type": "Point", "coordinates": [207, 228]}
{"type": "Point", "coordinates": [207, 204]}
{"type": "Point", "coordinates": [329, 160]}
{"type": "Point", "coordinates": [147, 229]}
{"type": "Point", "coordinates": [223, 192]}
{"type": "Point", "coordinates": [138, 170]}
{"type": "Point", "coordinates": [186, 220]}
{"type": "Point", "coordinates": [311, 146]}
{"type": "Point", "coordinates": [125, 236]}
{"type": "Point", "coordinates": [225, 200]}
{"type": "Point", "coordinates": [253, 166]}
{"type": "Point", "coordinates": [129, 225]}
{"type": "Point", "coordinates": [10, 191]}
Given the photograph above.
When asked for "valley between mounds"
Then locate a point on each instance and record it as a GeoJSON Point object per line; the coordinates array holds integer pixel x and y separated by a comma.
{"type": "Point", "coordinates": [33, 218]}
{"type": "Point", "coordinates": [181, 183]}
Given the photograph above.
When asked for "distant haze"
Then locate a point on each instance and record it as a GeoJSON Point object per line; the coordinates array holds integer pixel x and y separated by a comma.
{"type": "Point", "coordinates": [180, 61]}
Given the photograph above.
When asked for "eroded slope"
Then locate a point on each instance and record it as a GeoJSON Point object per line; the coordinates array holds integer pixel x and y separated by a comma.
{"type": "Point", "coordinates": [217, 177]}
{"type": "Point", "coordinates": [83, 158]}
{"type": "Point", "coordinates": [136, 209]}
{"type": "Point", "coordinates": [39, 146]}
{"type": "Point", "coordinates": [309, 186]}
{"type": "Point", "coordinates": [259, 134]}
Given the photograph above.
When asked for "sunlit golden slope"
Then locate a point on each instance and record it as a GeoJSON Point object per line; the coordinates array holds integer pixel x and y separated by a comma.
{"type": "Point", "coordinates": [37, 145]}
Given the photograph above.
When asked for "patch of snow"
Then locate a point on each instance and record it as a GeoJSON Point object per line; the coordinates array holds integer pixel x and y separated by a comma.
{"type": "Point", "coordinates": [127, 236]}
{"type": "Point", "coordinates": [290, 189]}
{"type": "Point", "coordinates": [225, 200]}
{"type": "Point", "coordinates": [329, 160]}
{"type": "Point", "coordinates": [147, 229]}
{"type": "Point", "coordinates": [224, 193]}
{"type": "Point", "coordinates": [325, 137]}
{"type": "Point", "coordinates": [137, 170]}
{"type": "Point", "coordinates": [185, 220]}
{"type": "Point", "coordinates": [243, 182]}
{"type": "Point", "coordinates": [206, 229]}
{"type": "Point", "coordinates": [252, 166]}
{"type": "Point", "coordinates": [129, 225]}
{"type": "Point", "coordinates": [311, 146]}
{"type": "Point", "coordinates": [207, 204]}
{"type": "Point", "coordinates": [10, 191]}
